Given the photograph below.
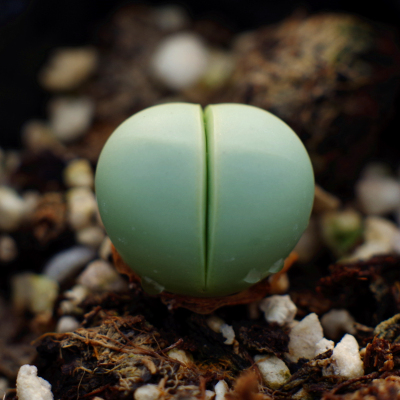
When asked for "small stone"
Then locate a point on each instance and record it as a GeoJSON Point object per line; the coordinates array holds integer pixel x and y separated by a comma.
{"type": "Point", "coordinates": [221, 389]}
{"type": "Point", "coordinates": [375, 170]}
{"type": "Point", "coordinates": [180, 60]}
{"type": "Point", "coordinates": [8, 249]}
{"type": "Point", "coordinates": [381, 236]}
{"type": "Point", "coordinates": [346, 361]}
{"type": "Point", "coordinates": [279, 283]}
{"type": "Point", "coordinates": [101, 276]}
{"type": "Point", "coordinates": [37, 136]}
{"type": "Point", "coordinates": [3, 387]}
{"type": "Point", "coordinates": [302, 394]}
{"type": "Point", "coordinates": [12, 209]}
{"type": "Point", "coordinates": [218, 325]}
{"type": "Point", "coordinates": [337, 322]}
{"type": "Point", "coordinates": [180, 355]}
{"type": "Point", "coordinates": [228, 333]}
{"type": "Point", "coordinates": [82, 207]}
{"type": "Point", "coordinates": [68, 68]}
{"type": "Point", "coordinates": [273, 370]}
{"type": "Point", "coordinates": [215, 323]}
{"type": "Point", "coordinates": [67, 324]}
{"type": "Point", "coordinates": [31, 200]}
{"type": "Point", "coordinates": [74, 297]}
{"type": "Point", "coordinates": [32, 387]}
{"type": "Point", "coordinates": [78, 172]}
{"type": "Point", "coordinates": [324, 345]}
{"type": "Point", "coordinates": [68, 262]}
{"type": "Point", "coordinates": [105, 248]}
{"type": "Point", "coordinates": [170, 17]}
{"type": "Point", "coordinates": [91, 236]}
{"type": "Point", "coordinates": [147, 392]}
{"type": "Point", "coordinates": [209, 395]}
{"type": "Point", "coordinates": [324, 201]}
{"type": "Point", "coordinates": [70, 118]}
{"type": "Point", "coordinates": [378, 195]}
{"type": "Point", "coordinates": [219, 69]}
{"type": "Point", "coordinates": [33, 292]}
{"type": "Point", "coordinates": [12, 161]}
{"type": "Point", "coordinates": [278, 309]}
{"type": "Point", "coordinates": [303, 338]}
{"type": "Point", "coordinates": [2, 172]}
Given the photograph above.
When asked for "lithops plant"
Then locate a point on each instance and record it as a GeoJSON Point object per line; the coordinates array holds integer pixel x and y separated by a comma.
{"type": "Point", "coordinates": [204, 203]}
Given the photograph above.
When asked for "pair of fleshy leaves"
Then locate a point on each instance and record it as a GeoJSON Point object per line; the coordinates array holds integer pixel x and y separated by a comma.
{"type": "Point", "coordinates": [204, 203]}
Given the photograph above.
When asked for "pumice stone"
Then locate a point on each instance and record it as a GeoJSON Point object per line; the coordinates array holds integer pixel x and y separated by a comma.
{"type": "Point", "coordinates": [204, 203]}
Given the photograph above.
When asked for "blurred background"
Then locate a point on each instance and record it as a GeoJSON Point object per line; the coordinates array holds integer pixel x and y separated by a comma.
{"type": "Point", "coordinates": [72, 70]}
{"type": "Point", "coordinates": [30, 29]}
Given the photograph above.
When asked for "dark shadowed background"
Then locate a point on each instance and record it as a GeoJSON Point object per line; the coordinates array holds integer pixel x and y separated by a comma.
{"type": "Point", "coordinates": [29, 29]}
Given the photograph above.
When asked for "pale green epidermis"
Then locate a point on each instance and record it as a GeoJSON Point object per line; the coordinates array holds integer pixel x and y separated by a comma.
{"type": "Point", "coordinates": [261, 189]}
{"type": "Point", "coordinates": [207, 203]}
{"type": "Point", "coordinates": [151, 191]}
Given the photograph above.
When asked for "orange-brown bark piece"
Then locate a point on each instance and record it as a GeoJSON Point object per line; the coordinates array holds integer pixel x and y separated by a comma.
{"type": "Point", "coordinates": [206, 305]}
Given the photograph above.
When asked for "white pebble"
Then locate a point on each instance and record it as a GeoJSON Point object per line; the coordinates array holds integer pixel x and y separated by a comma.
{"type": "Point", "coordinates": [381, 236]}
{"type": "Point", "coordinates": [91, 236]}
{"type": "Point", "coordinates": [2, 172]}
{"type": "Point", "coordinates": [346, 360]}
{"type": "Point", "coordinates": [67, 324]}
{"type": "Point", "coordinates": [375, 170]}
{"type": "Point", "coordinates": [337, 322]}
{"type": "Point", "coordinates": [301, 394]}
{"type": "Point", "coordinates": [37, 136]}
{"type": "Point", "coordinates": [68, 262]}
{"type": "Point", "coordinates": [12, 161]}
{"type": "Point", "coordinates": [303, 338]}
{"type": "Point", "coordinates": [105, 248]}
{"type": "Point", "coordinates": [147, 392]}
{"type": "Point", "coordinates": [180, 60]}
{"type": "Point", "coordinates": [209, 395]}
{"type": "Point", "coordinates": [31, 200]}
{"type": "Point", "coordinates": [215, 323]}
{"type": "Point", "coordinates": [82, 207]}
{"type": "Point", "coordinates": [70, 117]}
{"type": "Point", "coordinates": [324, 345]}
{"type": "Point", "coordinates": [33, 292]}
{"type": "Point", "coordinates": [218, 325]}
{"type": "Point", "coordinates": [180, 355]}
{"type": "Point", "coordinates": [221, 389]}
{"type": "Point", "coordinates": [8, 249]}
{"type": "Point", "coordinates": [32, 387]}
{"type": "Point", "coordinates": [74, 297]}
{"type": "Point", "coordinates": [3, 387]}
{"type": "Point", "coordinates": [228, 333]}
{"type": "Point", "coordinates": [278, 309]}
{"type": "Point", "coordinates": [67, 68]}
{"type": "Point", "coordinates": [12, 209]}
{"type": "Point", "coordinates": [279, 284]}
{"type": "Point", "coordinates": [101, 276]}
{"type": "Point", "coordinates": [273, 370]}
{"type": "Point", "coordinates": [78, 172]}
{"type": "Point", "coordinates": [379, 195]}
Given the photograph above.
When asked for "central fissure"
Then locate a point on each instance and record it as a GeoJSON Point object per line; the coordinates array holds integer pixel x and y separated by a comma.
{"type": "Point", "coordinates": [207, 199]}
